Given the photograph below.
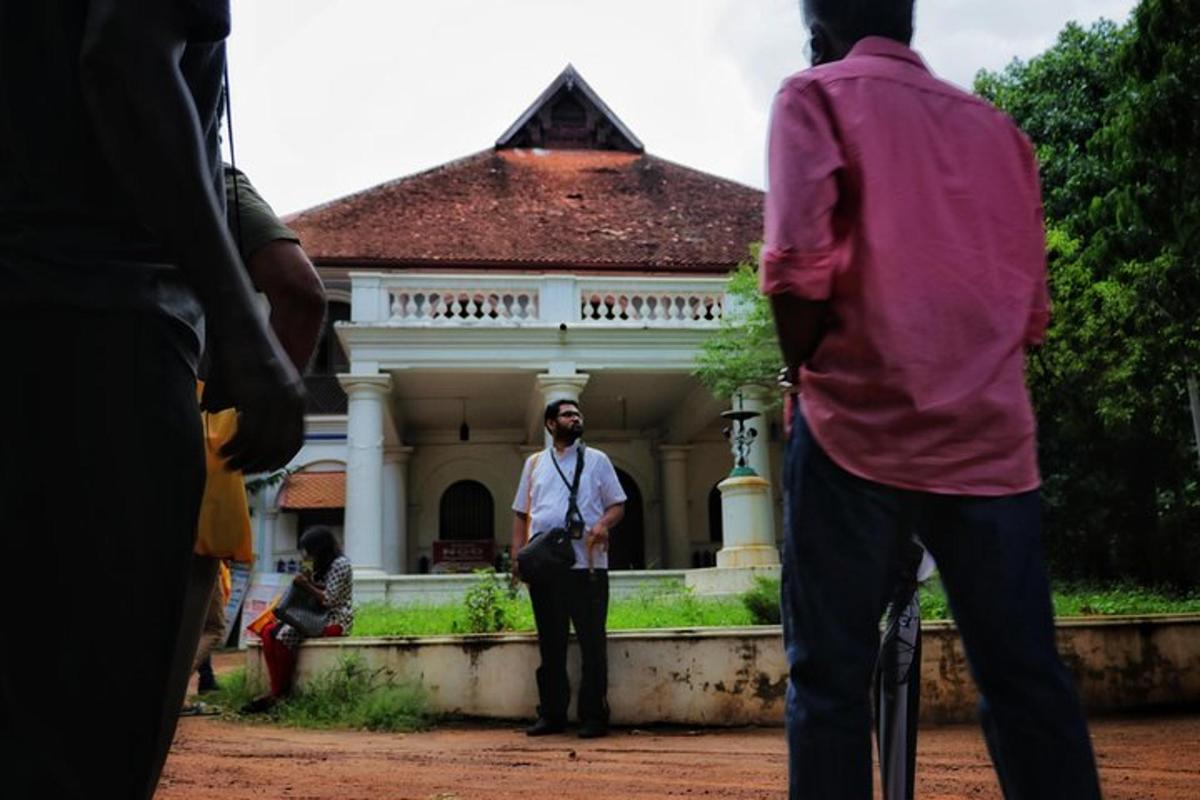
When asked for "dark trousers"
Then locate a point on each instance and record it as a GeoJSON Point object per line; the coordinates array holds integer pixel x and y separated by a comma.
{"type": "Point", "coordinates": [101, 473]}
{"type": "Point", "coordinates": [844, 536]}
{"type": "Point", "coordinates": [580, 599]}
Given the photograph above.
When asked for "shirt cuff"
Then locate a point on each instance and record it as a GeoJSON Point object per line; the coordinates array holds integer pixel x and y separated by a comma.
{"type": "Point", "coordinates": [1036, 332]}
{"type": "Point", "coordinates": [806, 275]}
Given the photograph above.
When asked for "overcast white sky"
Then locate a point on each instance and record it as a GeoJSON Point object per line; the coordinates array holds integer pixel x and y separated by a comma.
{"type": "Point", "coordinates": [334, 96]}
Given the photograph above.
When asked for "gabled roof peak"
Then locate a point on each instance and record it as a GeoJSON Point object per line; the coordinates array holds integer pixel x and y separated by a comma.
{"type": "Point", "coordinates": [570, 115]}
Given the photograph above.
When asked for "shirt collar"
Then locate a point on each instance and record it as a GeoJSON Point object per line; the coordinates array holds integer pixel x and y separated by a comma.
{"type": "Point", "coordinates": [887, 48]}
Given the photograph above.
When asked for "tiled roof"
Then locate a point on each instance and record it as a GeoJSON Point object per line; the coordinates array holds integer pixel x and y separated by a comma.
{"type": "Point", "coordinates": [313, 490]}
{"type": "Point", "coordinates": [541, 209]}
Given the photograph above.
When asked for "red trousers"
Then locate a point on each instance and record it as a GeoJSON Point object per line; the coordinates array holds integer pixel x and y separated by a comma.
{"type": "Point", "coordinates": [281, 659]}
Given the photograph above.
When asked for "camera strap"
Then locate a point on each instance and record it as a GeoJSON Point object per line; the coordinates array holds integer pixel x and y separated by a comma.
{"type": "Point", "coordinates": [574, 520]}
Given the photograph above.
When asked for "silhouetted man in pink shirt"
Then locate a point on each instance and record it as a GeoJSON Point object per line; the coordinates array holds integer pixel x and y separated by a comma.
{"type": "Point", "coordinates": [905, 259]}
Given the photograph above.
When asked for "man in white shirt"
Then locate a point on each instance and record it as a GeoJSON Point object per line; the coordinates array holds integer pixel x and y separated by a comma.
{"type": "Point", "coordinates": [581, 596]}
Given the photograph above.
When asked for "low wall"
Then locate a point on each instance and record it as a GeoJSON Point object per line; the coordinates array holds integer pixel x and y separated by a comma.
{"type": "Point", "coordinates": [400, 590]}
{"type": "Point", "coordinates": [738, 676]}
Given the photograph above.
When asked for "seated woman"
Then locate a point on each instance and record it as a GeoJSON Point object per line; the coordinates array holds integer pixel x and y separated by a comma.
{"type": "Point", "coordinates": [330, 582]}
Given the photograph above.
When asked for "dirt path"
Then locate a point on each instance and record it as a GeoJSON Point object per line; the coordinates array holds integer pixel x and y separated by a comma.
{"type": "Point", "coordinates": [1146, 758]}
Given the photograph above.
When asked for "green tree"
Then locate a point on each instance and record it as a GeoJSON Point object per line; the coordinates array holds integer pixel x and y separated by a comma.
{"type": "Point", "coordinates": [744, 349]}
{"type": "Point", "coordinates": [1107, 108]}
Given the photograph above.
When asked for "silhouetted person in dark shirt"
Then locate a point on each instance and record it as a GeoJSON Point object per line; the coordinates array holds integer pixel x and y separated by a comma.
{"type": "Point", "coordinates": [114, 259]}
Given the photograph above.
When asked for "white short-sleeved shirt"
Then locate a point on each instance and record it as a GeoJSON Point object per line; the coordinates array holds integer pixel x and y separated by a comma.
{"type": "Point", "coordinates": [599, 489]}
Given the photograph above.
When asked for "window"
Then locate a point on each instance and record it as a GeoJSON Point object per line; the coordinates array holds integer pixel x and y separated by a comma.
{"type": "Point", "coordinates": [466, 512]}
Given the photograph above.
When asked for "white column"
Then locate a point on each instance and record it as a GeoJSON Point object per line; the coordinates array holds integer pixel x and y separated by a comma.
{"type": "Point", "coordinates": [395, 509]}
{"type": "Point", "coordinates": [560, 387]}
{"type": "Point", "coordinates": [364, 471]}
{"type": "Point", "coordinates": [675, 516]}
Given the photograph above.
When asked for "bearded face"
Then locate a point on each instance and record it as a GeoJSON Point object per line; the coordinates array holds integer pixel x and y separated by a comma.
{"type": "Point", "coordinates": [568, 425]}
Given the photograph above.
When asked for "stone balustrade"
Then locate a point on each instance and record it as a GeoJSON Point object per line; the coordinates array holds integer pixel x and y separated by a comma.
{"type": "Point", "coordinates": [513, 300]}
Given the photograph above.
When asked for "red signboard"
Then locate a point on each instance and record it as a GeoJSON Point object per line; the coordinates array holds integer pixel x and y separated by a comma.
{"type": "Point", "coordinates": [463, 555]}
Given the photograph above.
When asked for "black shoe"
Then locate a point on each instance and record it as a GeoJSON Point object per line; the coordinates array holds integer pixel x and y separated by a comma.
{"type": "Point", "coordinates": [545, 727]}
{"type": "Point", "coordinates": [259, 705]}
{"type": "Point", "coordinates": [593, 730]}
{"type": "Point", "coordinates": [206, 685]}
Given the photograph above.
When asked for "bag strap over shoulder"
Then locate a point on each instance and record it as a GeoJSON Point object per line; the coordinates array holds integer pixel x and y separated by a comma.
{"type": "Point", "coordinates": [529, 495]}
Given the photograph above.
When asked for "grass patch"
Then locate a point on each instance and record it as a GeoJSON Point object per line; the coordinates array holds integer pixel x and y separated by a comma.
{"type": "Point", "coordinates": [1085, 600]}
{"type": "Point", "coordinates": [234, 690]}
{"type": "Point", "coordinates": [350, 695]}
{"type": "Point", "coordinates": [670, 605]}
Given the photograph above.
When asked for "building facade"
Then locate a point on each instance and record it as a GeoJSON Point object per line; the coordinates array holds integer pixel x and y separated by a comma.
{"type": "Point", "coordinates": [563, 262]}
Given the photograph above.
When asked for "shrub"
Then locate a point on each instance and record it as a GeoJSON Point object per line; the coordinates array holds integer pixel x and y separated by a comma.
{"type": "Point", "coordinates": [348, 696]}
{"type": "Point", "coordinates": [487, 605]}
{"type": "Point", "coordinates": [352, 695]}
{"type": "Point", "coordinates": [762, 601]}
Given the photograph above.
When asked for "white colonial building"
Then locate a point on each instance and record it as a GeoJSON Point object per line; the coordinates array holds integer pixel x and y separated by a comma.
{"type": "Point", "coordinates": [563, 262]}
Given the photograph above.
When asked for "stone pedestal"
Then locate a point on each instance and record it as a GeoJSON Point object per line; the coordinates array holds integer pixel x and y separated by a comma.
{"type": "Point", "coordinates": [746, 521]}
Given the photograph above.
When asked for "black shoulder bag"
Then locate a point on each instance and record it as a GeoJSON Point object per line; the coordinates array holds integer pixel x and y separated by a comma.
{"type": "Point", "coordinates": [551, 555]}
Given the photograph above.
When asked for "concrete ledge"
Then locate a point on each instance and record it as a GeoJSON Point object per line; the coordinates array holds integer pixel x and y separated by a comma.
{"type": "Point", "coordinates": [738, 676]}
{"type": "Point", "coordinates": [726, 581]}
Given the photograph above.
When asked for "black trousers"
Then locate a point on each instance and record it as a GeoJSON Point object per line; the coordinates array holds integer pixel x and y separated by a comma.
{"type": "Point", "coordinates": [101, 474]}
{"type": "Point", "coordinates": [580, 599]}
{"type": "Point", "coordinates": [844, 537]}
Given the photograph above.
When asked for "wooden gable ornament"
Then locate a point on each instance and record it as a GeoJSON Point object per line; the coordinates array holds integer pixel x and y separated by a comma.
{"type": "Point", "coordinates": [569, 115]}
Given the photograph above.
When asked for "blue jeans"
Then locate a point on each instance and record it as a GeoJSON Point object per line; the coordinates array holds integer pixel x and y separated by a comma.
{"type": "Point", "coordinates": [844, 536]}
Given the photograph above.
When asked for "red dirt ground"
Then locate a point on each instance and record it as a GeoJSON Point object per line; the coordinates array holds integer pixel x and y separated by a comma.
{"type": "Point", "coordinates": [1156, 758]}
{"type": "Point", "coordinates": [1143, 758]}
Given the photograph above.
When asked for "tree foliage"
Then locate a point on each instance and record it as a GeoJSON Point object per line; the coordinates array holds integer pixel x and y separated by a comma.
{"type": "Point", "coordinates": [743, 350]}
{"type": "Point", "coordinates": [1113, 111]}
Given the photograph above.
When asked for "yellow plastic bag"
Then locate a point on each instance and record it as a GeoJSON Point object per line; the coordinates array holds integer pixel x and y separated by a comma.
{"type": "Point", "coordinates": [264, 619]}
{"type": "Point", "coordinates": [223, 530]}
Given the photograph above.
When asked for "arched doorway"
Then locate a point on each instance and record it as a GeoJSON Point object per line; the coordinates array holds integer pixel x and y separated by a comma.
{"type": "Point", "coordinates": [715, 521]}
{"type": "Point", "coordinates": [466, 513]}
{"type": "Point", "coordinates": [628, 542]}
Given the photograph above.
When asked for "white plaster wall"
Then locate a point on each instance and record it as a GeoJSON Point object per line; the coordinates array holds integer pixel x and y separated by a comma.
{"type": "Point", "coordinates": [738, 676]}
{"type": "Point", "coordinates": [433, 468]}
{"type": "Point", "coordinates": [732, 676]}
{"type": "Point", "coordinates": [635, 456]}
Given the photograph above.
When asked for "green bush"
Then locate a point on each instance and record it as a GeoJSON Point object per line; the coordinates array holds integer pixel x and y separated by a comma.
{"type": "Point", "coordinates": [353, 696]}
{"type": "Point", "coordinates": [487, 605]}
{"type": "Point", "coordinates": [762, 601]}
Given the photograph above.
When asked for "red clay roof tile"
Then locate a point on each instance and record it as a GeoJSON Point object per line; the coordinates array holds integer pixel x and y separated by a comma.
{"type": "Point", "coordinates": [541, 210]}
{"type": "Point", "coordinates": [313, 490]}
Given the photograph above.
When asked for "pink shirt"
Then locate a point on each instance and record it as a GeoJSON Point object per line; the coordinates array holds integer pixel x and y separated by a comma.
{"type": "Point", "coordinates": [914, 209]}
